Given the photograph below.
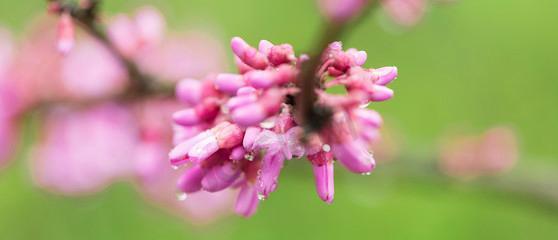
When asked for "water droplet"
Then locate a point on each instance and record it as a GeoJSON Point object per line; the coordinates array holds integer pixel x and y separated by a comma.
{"type": "Point", "coordinates": [268, 123]}
{"type": "Point", "coordinates": [261, 197]}
{"type": "Point", "coordinates": [249, 157]}
{"type": "Point", "coordinates": [174, 167]}
{"type": "Point", "coordinates": [181, 196]}
{"type": "Point", "coordinates": [366, 174]}
{"type": "Point", "coordinates": [326, 148]}
{"type": "Point", "coordinates": [225, 109]}
{"type": "Point", "coordinates": [365, 105]}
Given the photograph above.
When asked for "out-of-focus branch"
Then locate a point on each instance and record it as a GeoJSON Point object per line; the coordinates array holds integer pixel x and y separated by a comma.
{"type": "Point", "coordinates": [310, 115]}
{"type": "Point", "coordinates": [530, 186]}
{"type": "Point", "coordinates": [85, 15]}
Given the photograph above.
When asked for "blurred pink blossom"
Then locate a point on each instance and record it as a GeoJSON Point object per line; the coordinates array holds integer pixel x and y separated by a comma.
{"type": "Point", "coordinates": [89, 71]}
{"type": "Point", "coordinates": [387, 148]}
{"type": "Point", "coordinates": [132, 35]}
{"type": "Point", "coordinates": [37, 63]}
{"type": "Point", "coordinates": [403, 12]}
{"type": "Point", "coordinates": [192, 54]}
{"type": "Point", "coordinates": [84, 150]}
{"type": "Point", "coordinates": [170, 57]}
{"type": "Point", "coordinates": [9, 101]}
{"type": "Point", "coordinates": [341, 10]}
{"type": "Point", "coordinates": [82, 79]}
{"type": "Point", "coordinates": [492, 152]}
{"type": "Point", "coordinates": [156, 179]}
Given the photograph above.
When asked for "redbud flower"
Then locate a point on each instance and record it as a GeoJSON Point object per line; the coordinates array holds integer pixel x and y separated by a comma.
{"type": "Point", "coordinates": [67, 162]}
{"type": "Point", "coordinates": [403, 12]}
{"type": "Point", "coordinates": [341, 10]}
{"type": "Point", "coordinates": [246, 142]}
{"type": "Point", "coordinates": [490, 153]}
{"type": "Point", "coordinates": [170, 57]}
{"type": "Point", "coordinates": [156, 180]}
{"type": "Point", "coordinates": [82, 80]}
{"type": "Point", "coordinates": [66, 35]}
{"type": "Point", "coordinates": [247, 201]}
{"type": "Point", "coordinates": [10, 99]}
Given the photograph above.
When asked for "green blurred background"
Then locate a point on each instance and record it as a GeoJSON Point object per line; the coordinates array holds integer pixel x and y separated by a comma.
{"type": "Point", "coordinates": [473, 63]}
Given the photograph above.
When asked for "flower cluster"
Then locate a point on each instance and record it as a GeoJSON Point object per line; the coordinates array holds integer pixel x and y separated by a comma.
{"type": "Point", "coordinates": [402, 12]}
{"type": "Point", "coordinates": [126, 140]}
{"type": "Point", "coordinates": [490, 153]}
{"type": "Point", "coordinates": [239, 129]}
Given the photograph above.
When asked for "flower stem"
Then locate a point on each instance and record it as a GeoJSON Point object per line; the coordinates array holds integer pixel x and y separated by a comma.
{"type": "Point", "coordinates": [86, 17]}
{"type": "Point", "coordinates": [310, 115]}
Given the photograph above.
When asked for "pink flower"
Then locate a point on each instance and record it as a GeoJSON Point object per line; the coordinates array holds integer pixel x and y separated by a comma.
{"type": "Point", "coordinates": [170, 57]}
{"type": "Point", "coordinates": [131, 35]}
{"type": "Point", "coordinates": [82, 80]}
{"type": "Point", "coordinates": [245, 143]}
{"type": "Point", "coordinates": [405, 12]}
{"type": "Point", "coordinates": [64, 77]}
{"type": "Point", "coordinates": [10, 102]}
{"type": "Point", "coordinates": [65, 33]}
{"type": "Point", "coordinates": [158, 186]}
{"type": "Point", "coordinates": [183, 55]}
{"type": "Point", "coordinates": [341, 10]}
{"type": "Point", "coordinates": [74, 156]}
{"type": "Point", "coordinates": [156, 180]}
{"type": "Point", "coordinates": [38, 50]}
{"type": "Point", "coordinates": [490, 153]}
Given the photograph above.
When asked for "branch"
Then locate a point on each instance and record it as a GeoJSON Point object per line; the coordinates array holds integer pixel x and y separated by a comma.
{"type": "Point", "coordinates": [86, 16]}
{"type": "Point", "coordinates": [529, 186]}
{"type": "Point", "coordinates": [310, 115]}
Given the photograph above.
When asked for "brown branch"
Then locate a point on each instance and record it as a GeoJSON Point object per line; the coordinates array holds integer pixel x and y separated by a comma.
{"type": "Point", "coordinates": [85, 15]}
{"type": "Point", "coordinates": [526, 186]}
{"type": "Point", "coordinates": [310, 115]}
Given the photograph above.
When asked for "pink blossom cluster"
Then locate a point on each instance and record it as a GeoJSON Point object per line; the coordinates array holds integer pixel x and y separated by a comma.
{"type": "Point", "coordinates": [492, 152]}
{"type": "Point", "coordinates": [9, 103]}
{"type": "Point", "coordinates": [239, 129]}
{"type": "Point", "coordinates": [403, 12]}
{"type": "Point", "coordinates": [87, 143]}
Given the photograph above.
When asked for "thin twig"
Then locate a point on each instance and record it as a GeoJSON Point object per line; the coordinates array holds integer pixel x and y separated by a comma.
{"type": "Point", "coordinates": [310, 115]}
{"type": "Point", "coordinates": [141, 84]}
{"type": "Point", "coordinates": [528, 188]}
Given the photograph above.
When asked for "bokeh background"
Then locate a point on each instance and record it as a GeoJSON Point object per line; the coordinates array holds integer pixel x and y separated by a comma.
{"type": "Point", "coordinates": [468, 65]}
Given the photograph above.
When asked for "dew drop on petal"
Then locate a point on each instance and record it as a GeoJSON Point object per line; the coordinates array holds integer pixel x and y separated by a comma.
{"type": "Point", "coordinates": [181, 196]}
{"type": "Point", "coordinates": [365, 105]}
{"type": "Point", "coordinates": [261, 197]}
{"type": "Point", "coordinates": [174, 167]}
{"type": "Point", "coordinates": [366, 174]}
{"type": "Point", "coordinates": [268, 123]}
{"type": "Point", "coordinates": [225, 109]}
{"type": "Point", "coordinates": [326, 148]}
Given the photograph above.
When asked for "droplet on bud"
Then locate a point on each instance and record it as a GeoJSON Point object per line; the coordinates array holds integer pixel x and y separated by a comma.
{"type": "Point", "coordinates": [225, 109]}
{"type": "Point", "coordinates": [249, 157]}
{"type": "Point", "coordinates": [326, 148]}
{"type": "Point", "coordinates": [268, 123]}
{"type": "Point", "coordinates": [366, 174]}
{"type": "Point", "coordinates": [261, 197]}
{"type": "Point", "coordinates": [181, 196]}
{"type": "Point", "coordinates": [174, 167]}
